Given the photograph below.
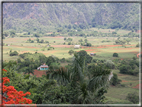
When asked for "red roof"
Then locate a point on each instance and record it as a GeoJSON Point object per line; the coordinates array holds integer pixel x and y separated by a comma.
{"type": "Point", "coordinates": [39, 73]}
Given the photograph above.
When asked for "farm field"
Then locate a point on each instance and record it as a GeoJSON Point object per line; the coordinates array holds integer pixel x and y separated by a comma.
{"type": "Point", "coordinates": [105, 50]}
{"type": "Point", "coordinates": [117, 94]}
{"type": "Point", "coordinates": [102, 50]}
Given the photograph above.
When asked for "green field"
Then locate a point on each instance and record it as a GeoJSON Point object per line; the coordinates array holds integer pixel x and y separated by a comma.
{"type": "Point", "coordinates": [103, 50]}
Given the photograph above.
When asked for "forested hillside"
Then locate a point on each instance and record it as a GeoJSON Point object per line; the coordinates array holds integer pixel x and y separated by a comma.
{"type": "Point", "coordinates": [27, 16]}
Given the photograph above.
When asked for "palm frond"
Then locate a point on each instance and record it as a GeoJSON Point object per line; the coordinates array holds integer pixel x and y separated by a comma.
{"type": "Point", "coordinates": [98, 79]}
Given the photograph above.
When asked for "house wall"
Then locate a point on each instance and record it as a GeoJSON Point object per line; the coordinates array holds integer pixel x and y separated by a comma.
{"type": "Point", "coordinates": [44, 68]}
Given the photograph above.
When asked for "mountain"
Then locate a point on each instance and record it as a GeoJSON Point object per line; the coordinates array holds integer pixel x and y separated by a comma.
{"type": "Point", "coordinates": [26, 16]}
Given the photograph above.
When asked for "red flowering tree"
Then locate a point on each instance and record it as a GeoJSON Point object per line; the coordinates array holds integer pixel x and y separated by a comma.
{"type": "Point", "coordinates": [11, 96]}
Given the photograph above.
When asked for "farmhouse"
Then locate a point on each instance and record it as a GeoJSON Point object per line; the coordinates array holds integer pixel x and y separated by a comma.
{"type": "Point", "coordinates": [92, 54]}
{"type": "Point", "coordinates": [43, 67]}
{"type": "Point", "coordinates": [77, 46]}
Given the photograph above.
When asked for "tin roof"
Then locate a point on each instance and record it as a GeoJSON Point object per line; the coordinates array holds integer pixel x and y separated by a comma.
{"type": "Point", "coordinates": [44, 66]}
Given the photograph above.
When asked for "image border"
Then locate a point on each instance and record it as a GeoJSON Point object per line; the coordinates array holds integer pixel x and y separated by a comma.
{"type": "Point", "coordinates": [75, 1]}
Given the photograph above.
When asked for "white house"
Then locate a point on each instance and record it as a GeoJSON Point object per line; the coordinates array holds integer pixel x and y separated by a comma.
{"type": "Point", "coordinates": [43, 67]}
{"type": "Point", "coordinates": [77, 46]}
{"type": "Point", "coordinates": [92, 54]}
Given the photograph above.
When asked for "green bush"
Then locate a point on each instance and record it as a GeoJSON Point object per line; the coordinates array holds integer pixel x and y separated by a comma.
{"type": "Point", "coordinates": [137, 45]}
{"type": "Point", "coordinates": [115, 54]}
{"type": "Point", "coordinates": [114, 81]}
{"type": "Point", "coordinates": [133, 97]}
{"type": "Point", "coordinates": [63, 60]}
{"type": "Point", "coordinates": [15, 53]}
{"type": "Point", "coordinates": [71, 52]}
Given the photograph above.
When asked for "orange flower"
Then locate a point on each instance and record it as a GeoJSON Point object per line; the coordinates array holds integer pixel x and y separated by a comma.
{"type": "Point", "coordinates": [4, 70]}
{"type": "Point", "coordinates": [13, 96]}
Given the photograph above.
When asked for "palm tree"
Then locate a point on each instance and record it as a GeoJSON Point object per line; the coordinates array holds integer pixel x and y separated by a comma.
{"type": "Point", "coordinates": [86, 82]}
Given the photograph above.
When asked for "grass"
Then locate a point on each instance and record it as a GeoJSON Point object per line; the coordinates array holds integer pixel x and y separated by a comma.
{"type": "Point", "coordinates": [20, 45]}
{"type": "Point", "coordinates": [119, 94]}
{"type": "Point", "coordinates": [115, 95]}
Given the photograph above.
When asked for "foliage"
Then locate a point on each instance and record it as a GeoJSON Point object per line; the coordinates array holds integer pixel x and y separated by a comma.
{"type": "Point", "coordinates": [133, 97]}
{"type": "Point", "coordinates": [36, 35]}
{"type": "Point", "coordinates": [71, 52]}
{"type": "Point", "coordinates": [30, 41]}
{"type": "Point", "coordinates": [114, 32]}
{"type": "Point", "coordinates": [85, 89]}
{"type": "Point", "coordinates": [114, 80]}
{"type": "Point", "coordinates": [11, 95]}
{"type": "Point", "coordinates": [137, 45]}
{"type": "Point", "coordinates": [109, 64]}
{"type": "Point", "coordinates": [68, 39]}
{"type": "Point", "coordinates": [15, 53]}
{"type": "Point", "coordinates": [5, 34]}
{"type": "Point", "coordinates": [115, 54]}
{"type": "Point", "coordinates": [83, 53]}
{"type": "Point", "coordinates": [120, 42]}
{"type": "Point", "coordinates": [129, 67]}
{"type": "Point", "coordinates": [54, 66]}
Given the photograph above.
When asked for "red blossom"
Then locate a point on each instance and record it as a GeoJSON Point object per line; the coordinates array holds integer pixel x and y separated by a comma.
{"type": "Point", "coordinates": [4, 70]}
{"type": "Point", "coordinates": [11, 95]}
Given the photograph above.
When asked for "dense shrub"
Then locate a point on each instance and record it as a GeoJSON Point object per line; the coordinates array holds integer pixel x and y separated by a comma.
{"type": "Point", "coordinates": [133, 97]}
{"type": "Point", "coordinates": [36, 35]}
{"type": "Point", "coordinates": [125, 69]}
{"type": "Point", "coordinates": [114, 81]}
{"type": "Point", "coordinates": [129, 67]}
{"type": "Point", "coordinates": [115, 54]}
{"type": "Point", "coordinates": [15, 53]}
{"type": "Point", "coordinates": [137, 45]}
{"type": "Point", "coordinates": [63, 60]}
{"type": "Point", "coordinates": [109, 64]}
{"type": "Point", "coordinates": [71, 52]}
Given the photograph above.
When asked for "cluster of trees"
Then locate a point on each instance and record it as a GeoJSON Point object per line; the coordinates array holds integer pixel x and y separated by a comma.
{"type": "Point", "coordinates": [14, 53]}
{"type": "Point", "coordinates": [28, 61]}
{"type": "Point", "coordinates": [49, 48]}
{"type": "Point", "coordinates": [62, 85]}
{"type": "Point", "coordinates": [41, 41]}
{"type": "Point", "coordinates": [133, 97]}
{"type": "Point", "coordinates": [37, 40]}
{"type": "Point", "coordinates": [10, 33]}
{"type": "Point", "coordinates": [120, 42]}
{"type": "Point", "coordinates": [84, 43]}
{"type": "Point", "coordinates": [71, 52]}
{"type": "Point", "coordinates": [129, 67]}
{"type": "Point", "coordinates": [30, 41]}
{"type": "Point", "coordinates": [115, 54]}
{"type": "Point", "coordinates": [83, 81]}
{"type": "Point", "coordinates": [115, 81]}
{"type": "Point", "coordinates": [69, 40]}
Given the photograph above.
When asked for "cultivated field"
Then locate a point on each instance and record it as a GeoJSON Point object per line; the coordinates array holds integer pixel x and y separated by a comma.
{"type": "Point", "coordinates": [103, 50]}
